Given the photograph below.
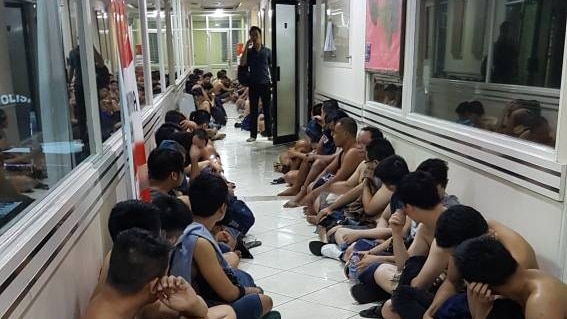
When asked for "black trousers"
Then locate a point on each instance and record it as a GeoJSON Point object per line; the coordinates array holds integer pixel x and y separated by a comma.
{"type": "Point", "coordinates": [257, 92]}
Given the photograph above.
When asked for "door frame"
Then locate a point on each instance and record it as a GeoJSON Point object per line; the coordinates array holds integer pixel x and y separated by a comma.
{"type": "Point", "coordinates": [292, 137]}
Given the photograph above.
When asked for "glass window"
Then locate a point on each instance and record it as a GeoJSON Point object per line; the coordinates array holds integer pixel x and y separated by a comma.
{"type": "Point", "coordinates": [41, 76]}
{"type": "Point", "coordinates": [336, 36]}
{"type": "Point", "coordinates": [237, 22]}
{"type": "Point", "coordinates": [200, 51]}
{"type": "Point", "coordinates": [218, 22]}
{"type": "Point", "coordinates": [494, 65]}
{"type": "Point", "coordinates": [199, 22]}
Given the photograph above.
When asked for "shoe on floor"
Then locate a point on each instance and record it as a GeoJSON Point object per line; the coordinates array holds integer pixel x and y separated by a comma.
{"type": "Point", "coordinates": [278, 181]}
{"type": "Point", "coordinates": [364, 293]}
{"type": "Point", "coordinates": [332, 251]}
{"type": "Point", "coordinates": [270, 138]}
{"type": "Point", "coordinates": [315, 247]}
{"type": "Point", "coordinates": [251, 139]}
{"type": "Point", "coordinates": [373, 312]}
{"type": "Point", "coordinates": [272, 315]}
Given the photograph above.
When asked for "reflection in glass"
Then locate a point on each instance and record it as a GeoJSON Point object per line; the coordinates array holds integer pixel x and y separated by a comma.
{"type": "Point", "coordinates": [471, 51]}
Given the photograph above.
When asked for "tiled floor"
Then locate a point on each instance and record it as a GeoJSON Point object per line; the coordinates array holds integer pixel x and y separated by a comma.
{"type": "Point", "coordinates": [302, 285]}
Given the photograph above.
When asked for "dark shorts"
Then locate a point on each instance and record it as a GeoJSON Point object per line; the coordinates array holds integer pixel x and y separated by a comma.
{"type": "Point", "coordinates": [457, 307]}
{"type": "Point", "coordinates": [248, 307]}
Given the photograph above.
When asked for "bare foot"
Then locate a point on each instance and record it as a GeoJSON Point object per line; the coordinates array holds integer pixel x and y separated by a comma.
{"type": "Point", "coordinates": [308, 211]}
{"type": "Point", "coordinates": [290, 204]}
{"type": "Point", "coordinates": [312, 219]}
{"type": "Point", "coordinates": [289, 192]}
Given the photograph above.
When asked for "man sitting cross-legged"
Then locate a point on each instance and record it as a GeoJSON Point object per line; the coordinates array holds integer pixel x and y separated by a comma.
{"type": "Point", "coordinates": [137, 277]}
{"type": "Point", "coordinates": [342, 167]}
{"type": "Point", "coordinates": [452, 229]}
{"type": "Point", "coordinates": [199, 260]}
{"type": "Point", "coordinates": [490, 269]}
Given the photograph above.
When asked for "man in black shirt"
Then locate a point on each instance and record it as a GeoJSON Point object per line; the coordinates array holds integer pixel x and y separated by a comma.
{"type": "Point", "coordinates": [259, 59]}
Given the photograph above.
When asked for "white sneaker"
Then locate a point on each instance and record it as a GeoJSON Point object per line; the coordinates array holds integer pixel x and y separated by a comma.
{"type": "Point", "coordinates": [251, 139]}
{"type": "Point", "coordinates": [331, 251]}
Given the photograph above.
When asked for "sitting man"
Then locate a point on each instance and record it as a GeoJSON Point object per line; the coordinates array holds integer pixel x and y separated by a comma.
{"type": "Point", "coordinates": [312, 164]}
{"type": "Point", "coordinates": [166, 172]}
{"type": "Point", "coordinates": [341, 168]}
{"type": "Point", "coordinates": [137, 278]}
{"type": "Point", "coordinates": [490, 269]}
{"type": "Point", "coordinates": [199, 260]}
{"type": "Point", "coordinates": [454, 227]}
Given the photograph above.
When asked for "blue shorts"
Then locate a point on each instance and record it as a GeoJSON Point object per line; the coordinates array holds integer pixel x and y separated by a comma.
{"type": "Point", "coordinates": [248, 307]}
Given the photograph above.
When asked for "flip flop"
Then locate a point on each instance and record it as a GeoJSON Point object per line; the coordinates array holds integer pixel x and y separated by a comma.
{"type": "Point", "coordinates": [278, 181]}
{"type": "Point", "coordinates": [373, 312]}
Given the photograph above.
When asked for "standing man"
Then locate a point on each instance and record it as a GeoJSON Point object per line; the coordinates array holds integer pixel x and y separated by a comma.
{"type": "Point", "coordinates": [259, 59]}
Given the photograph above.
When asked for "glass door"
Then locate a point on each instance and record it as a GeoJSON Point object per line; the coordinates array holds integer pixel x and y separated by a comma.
{"type": "Point", "coordinates": [219, 56]}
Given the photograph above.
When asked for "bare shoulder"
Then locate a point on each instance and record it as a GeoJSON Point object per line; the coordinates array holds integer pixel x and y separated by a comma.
{"type": "Point", "coordinates": [548, 298]}
{"type": "Point", "coordinates": [518, 246]}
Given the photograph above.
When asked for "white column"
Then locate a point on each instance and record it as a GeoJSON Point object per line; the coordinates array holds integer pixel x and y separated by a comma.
{"type": "Point", "coordinates": [148, 86]}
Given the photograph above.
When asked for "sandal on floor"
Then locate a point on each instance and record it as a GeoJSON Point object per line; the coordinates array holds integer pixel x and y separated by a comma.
{"type": "Point", "coordinates": [278, 181]}
{"type": "Point", "coordinates": [252, 244]}
{"type": "Point", "coordinates": [373, 312]}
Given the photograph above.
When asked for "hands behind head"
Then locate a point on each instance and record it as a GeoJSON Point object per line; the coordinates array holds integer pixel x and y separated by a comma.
{"type": "Point", "coordinates": [397, 222]}
{"type": "Point", "coordinates": [480, 299]}
{"type": "Point", "coordinates": [176, 293]}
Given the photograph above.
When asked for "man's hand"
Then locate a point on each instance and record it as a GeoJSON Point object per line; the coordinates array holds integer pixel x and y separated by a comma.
{"type": "Point", "coordinates": [325, 212]}
{"type": "Point", "coordinates": [397, 222]}
{"type": "Point", "coordinates": [177, 294]}
{"type": "Point", "coordinates": [253, 290]}
{"type": "Point", "coordinates": [365, 261]}
{"type": "Point", "coordinates": [480, 299]}
{"type": "Point", "coordinates": [188, 125]}
{"type": "Point", "coordinates": [349, 236]}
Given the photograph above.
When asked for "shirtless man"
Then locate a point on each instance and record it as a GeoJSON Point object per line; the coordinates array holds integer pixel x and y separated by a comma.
{"type": "Point", "coordinates": [490, 269]}
{"type": "Point", "coordinates": [137, 278]}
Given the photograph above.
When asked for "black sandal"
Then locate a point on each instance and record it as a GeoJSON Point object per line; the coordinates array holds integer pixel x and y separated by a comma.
{"type": "Point", "coordinates": [278, 181]}
{"type": "Point", "coordinates": [373, 312]}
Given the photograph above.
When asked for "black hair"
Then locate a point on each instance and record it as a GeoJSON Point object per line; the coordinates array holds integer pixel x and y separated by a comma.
{"type": "Point", "coordinates": [437, 168]}
{"type": "Point", "coordinates": [391, 170]}
{"type": "Point", "coordinates": [378, 149]}
{"type": "Point", "coordinates": [476, 107]}
{"type": "Point", "coordinates": [317, 109]}
{"type": "Point", "coordinates": [484, 260]}
{"type": "Point", "coordinates": [207, 86]}
{"type": "Point", "coordinates": [255, 28]}
{"type": "Point", "coordinates": [137, 258]}
{"type": "Point", "coordinates": [185, 139]}
{"type": "Point", "coordinates": [198, 71]}
{"type": "Point", "coordinates": [463, 108]}
{"type": "Point", "coordinates": [208, 75]}
{"type": "Point", "coordinates": [221, 74]}
{"type": "Point", "coordinates": [374, 132]}
{"type": "Point", "coordinates": [200, 117]}
{"type": "Point", "coordinates": [330, 105]}
{"type": "Point", "coordinates": [163, 162]}
{"type": "Point", "coordinates": [349, 125]}
{"type": "Point", "coordinates": [535, 121]}
{"type": "Point", "coordinates": [201, 134]}
{"type": "Point", "coordinates": [457, 224]}
{"type": "Point", "coordinates": [133, 213]}
{"type": "Point", "coordinates": [175, 215]}
{"type": "Point", "coordinates": [207, 193]}
{"type": "Point", "coordinates": [174, 116]}
{"type": "Point", "coordinates": [334, 116]}
{"type": "Point", "coordinates": [418, 189]}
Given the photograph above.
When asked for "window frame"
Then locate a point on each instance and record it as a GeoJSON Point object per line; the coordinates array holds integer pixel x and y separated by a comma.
{"type": "Point", "coordinates": [323, 17]}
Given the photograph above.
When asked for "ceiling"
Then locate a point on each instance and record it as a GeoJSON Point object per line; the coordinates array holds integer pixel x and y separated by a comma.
{"type": "Point", "coordinates": [222, 4]}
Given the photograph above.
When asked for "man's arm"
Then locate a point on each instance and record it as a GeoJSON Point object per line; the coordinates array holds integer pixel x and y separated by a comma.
{"type": "Point", "coordinates": [346, 198]}
{"type": "Point", "coordinates": [448, 288]}
{"type": "Point", "coordinates": [435, 264]}
{"type": "Point", "coordinates": [350, 162]}
{"type": "Point", "coordinates": [378, 202]}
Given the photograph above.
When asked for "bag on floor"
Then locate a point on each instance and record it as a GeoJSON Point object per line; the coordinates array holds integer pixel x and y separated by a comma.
{"type": "Point", "coordinates": [218, 113]}
{"type": "Point", "coordinates": [238, 216]}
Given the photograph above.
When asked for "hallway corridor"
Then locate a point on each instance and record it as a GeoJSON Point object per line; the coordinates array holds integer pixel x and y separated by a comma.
{"type": "Point", "coordinates": [302, 285]}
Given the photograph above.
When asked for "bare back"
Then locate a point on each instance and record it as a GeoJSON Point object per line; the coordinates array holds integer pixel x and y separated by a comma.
{"type": "Point", "coordinates": [518, 246]}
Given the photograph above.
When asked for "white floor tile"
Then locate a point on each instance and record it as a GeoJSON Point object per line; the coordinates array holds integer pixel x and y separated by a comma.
{"type": "Point", "coordinates": [299, 309]}
{"type": "Point", "coordinates": [279, 239]}
{"type": "Point", "coordinates": [278, 299]}
{"type": "Point", "coordinates": [301, 247]}
{"type": "Point", "coordinates": [283, 259]}
{"type": "Point", "coordinates": [258, 271]}
{"type": "Point", "coordinates": [302, 228]}
{"type": "Point", "coordinates": [338, 296]}
{"type": "Point", "coordinates": [292, 284]}
{"type": "Point", "coordinates": [324, 268]}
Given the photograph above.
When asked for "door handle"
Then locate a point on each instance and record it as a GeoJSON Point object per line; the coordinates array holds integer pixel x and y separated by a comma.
{"type": "Point", "coordinates": [278, 74]}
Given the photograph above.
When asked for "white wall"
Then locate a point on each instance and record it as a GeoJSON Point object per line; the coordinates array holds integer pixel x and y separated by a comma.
{"type": "Point", "coordinates": [341, 80]}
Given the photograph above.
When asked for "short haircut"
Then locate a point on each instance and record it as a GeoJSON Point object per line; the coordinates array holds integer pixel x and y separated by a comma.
{"type": "Point", "coordinates": [330, 105]}
{"type": "Point", "coordinates": [207, 193]}
{"type": "Point", "coordinates": [165, 131]}
{"type": "Point", "coordinates": [335, 116]}
{"type": "Point", "coordinates": [183, 138]}
{"type": "Point", "coordinates": [418, 189]}
{"type": "Point", "coordinates": [137, 258]}
{"type": "Point", "coordinates": [317, 109]}
{"type": "Point", "coordinates": [202, 135]}
{"type": "Point", "coordinates": [476, 107]}
{"type": "Point", "coordinates": [462, 108]}
{"type": "Point", "coordinates": [133, 213]}
{"type": "Point", "coordinates": [457, 224]}
{"type": "Point", "coordinates": [221, 74]}
{"type": "Point", "coordinates": [379, 149]}
{"type": "Point", "coordinates": [437, 168]}
{"type": "Point", "coordinates": [207, 86]}
{"type": "Point", "coordinates": [174, 214]}
{"type": "Point", "coordinates": [374, 132]}
{"type": "Point", "coordinates": [198, 71]}
{"type": "Point", "coordinates": [484, 260]}
{"type": "Point", "coordinates": [208, 75]}
{"type": "Point", "coordinates": [391, 170]}
{"type": "Point", "coordinates": [174, 116]}
{"type": "Point", "coordinates": [349, 125]}
{"type": "Point", "coordinates": [255, 28]}
{"type": "Point", "coordinates": [163, 162]}
{"type": "Point", "coordinates": [200, 117]}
